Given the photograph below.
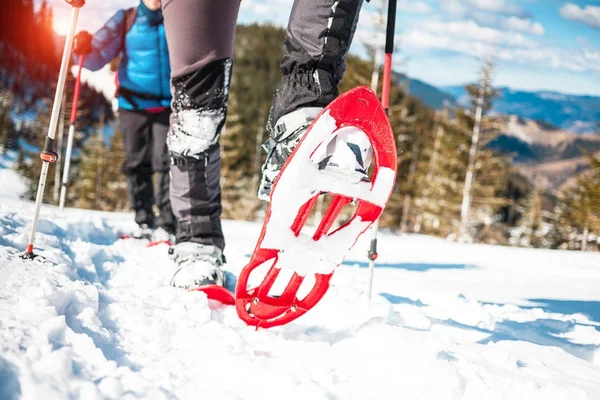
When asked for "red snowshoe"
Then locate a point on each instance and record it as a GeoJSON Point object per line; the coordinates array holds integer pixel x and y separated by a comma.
{"type": "Point", "coordinates": [310, 260]}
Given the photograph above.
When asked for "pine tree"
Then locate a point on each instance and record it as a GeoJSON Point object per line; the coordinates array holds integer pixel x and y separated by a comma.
{"type": "Point", "coordinates": [255, 75]}
{"type": "Point", "coordinates": [425, 202]}
{"type": "Point", "coordinates": [439, 201]}
{"type": "Point", "coordinates": [45, 48]}
{"type": "Point", "coordinates": [87, 175]}
{"type": "Point", "coordinates": [533, 219]}
{"type": "Point", "coordinates": [7, 126]}
{"type": "Point", "coordinates": [482, 96]}
{"type": "Point", "coordinates": [579, 208]}
{"type": "Point", "coordinates": [238, 191]}
{"type": "Point", "coordinates": [114, 182]}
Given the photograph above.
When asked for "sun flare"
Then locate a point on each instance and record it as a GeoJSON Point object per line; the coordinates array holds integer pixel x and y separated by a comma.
{"type": "Point", "coordinates": [61, 26]}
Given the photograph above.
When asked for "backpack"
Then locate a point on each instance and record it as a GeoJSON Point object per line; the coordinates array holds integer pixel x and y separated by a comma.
{"type": "Point", "coordinates": [130, 16]}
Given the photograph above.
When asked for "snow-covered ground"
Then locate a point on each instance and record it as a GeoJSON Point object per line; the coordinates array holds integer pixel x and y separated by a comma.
{"type": "Point", "coordinates": [98, 320]}
{"type": "Point", "coordinates": [12, 185]}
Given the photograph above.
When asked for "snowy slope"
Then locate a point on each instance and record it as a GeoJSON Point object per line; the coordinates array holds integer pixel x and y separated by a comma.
{"type": "Point", "coordinates": [98, 320]}
{"type": "Point", "coordinates": [12, 185]}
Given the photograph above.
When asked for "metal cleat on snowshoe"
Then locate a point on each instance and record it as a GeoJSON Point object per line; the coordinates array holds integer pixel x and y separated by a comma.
{"type": "Point", "coordinates": [347, 155]}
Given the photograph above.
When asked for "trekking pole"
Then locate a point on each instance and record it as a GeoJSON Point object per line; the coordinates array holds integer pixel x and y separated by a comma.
{"type": "Point", "coordinates": [60, 147]}
{"type": "Point", "coordinates": [385, 101]}
{"type": "Point", "coordinates": [65, 177]}
{"type": "Point", "coordinates": [48, 155]}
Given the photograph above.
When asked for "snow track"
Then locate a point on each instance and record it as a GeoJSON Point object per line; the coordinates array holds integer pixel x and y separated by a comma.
{"type": "Point", "coordinates": [98, 320]}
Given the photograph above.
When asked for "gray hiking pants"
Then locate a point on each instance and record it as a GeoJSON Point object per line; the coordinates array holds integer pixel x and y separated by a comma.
{"type": "Point", "coordinates": [144, 142]}
{"type": "Point", "coordinates": [200, 36]}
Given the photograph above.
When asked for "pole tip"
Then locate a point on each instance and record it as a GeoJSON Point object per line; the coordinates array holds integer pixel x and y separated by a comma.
{"type": "Point", "coordinates": [28, 254]}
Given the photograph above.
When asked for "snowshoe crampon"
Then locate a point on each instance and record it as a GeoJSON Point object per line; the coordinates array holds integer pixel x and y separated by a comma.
{"type": "Point", "coordinates": [159, 242]}
{"type": "Point", "coordinates": [224, 295]}
{"type": "Point", "coordinates": [217, 293]}
{"type": "Point", "coordinates": [310, 260]}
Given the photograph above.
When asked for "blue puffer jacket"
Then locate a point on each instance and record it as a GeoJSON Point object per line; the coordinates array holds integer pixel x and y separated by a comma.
{"type": "Point", "coordinates": [144, 67]}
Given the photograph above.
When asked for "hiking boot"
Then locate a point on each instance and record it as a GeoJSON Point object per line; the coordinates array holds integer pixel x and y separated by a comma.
{"type": "Point", "coordinates": [288, 131]}
{"type": "Point", "coordinates": [196, 265]}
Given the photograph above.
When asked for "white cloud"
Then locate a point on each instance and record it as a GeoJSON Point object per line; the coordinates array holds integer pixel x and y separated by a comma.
{"type": "Point", "coordinates": [589, 15]}
{"type": "Point", "coordinates": [524, 25]}
{"type": "Point", "coordinates": [471, 8]}
{"type": "Point", "coordinates": [254, 7]}
{"type": "Point", "coordinates": [414, 6]}
{"type": "Point", "coordinates": [467, 37]}
{"type": "Point", "coordinates": [261, 11]}
{"type": "Point", "coordinates": [470, 30]}
{"type": "Point", "coordinates": [499, 6]}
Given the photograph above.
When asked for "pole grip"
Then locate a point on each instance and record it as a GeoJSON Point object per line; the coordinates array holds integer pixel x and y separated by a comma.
{"type": "Point", "coordinates": [76, 92]}
{"type": "Point", "coordinates": [389, 49]}
{"type": "Point", "coordinates": [391, 27]}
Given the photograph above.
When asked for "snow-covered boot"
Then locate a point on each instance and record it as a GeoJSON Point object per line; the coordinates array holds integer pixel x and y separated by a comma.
{"type": "Point", "coordinates": [161, 235]}
{"type": "Point", "coordinates": [145, 218]}
{"type": "Point", "coordinates": [288, 131]}
{"type": "Point", "coordinates": [142, 231]}
{"type": "Point", "coordinates": [196, 265]}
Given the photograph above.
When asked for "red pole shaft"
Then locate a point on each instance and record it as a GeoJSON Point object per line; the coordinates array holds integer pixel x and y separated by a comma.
{"type": "Point", "coordinates": [387, 72]}
{"type": "Point", "coordinates": [385, 102]}
{"type": "Point", "coordinates": [76, 92]}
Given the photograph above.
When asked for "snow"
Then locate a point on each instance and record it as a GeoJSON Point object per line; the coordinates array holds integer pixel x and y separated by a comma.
{"type": "Point", "coordinates": [13, 185]}
{"type": "Point", "coordinates": [583, 127]}
{"type": "Point", "coordinates": [194, 129]}
{"type": "Point", "coordinates": [299, 182]}
{"type": "Point", "coordinates": [98, 320]}
{"type": "Point", "coordinates": [102, 80]}
{"type": "Point", "coordinates": [517, 129]}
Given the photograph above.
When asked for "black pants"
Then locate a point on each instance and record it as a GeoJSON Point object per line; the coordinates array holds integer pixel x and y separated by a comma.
{"type": "Point", "coordinates": [145, 145]}
{"type": "Point", "coordinates": [200, 35]}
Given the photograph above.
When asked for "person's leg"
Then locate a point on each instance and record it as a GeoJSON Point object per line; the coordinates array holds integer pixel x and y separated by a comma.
{"type": "Point", "coordinates": [318, 38]}
{"type": "Point", "coordinates": [200, 35]}
{"type": "Point", "coordinates": [160, 165]}
{"type": "Point", "coordinates": [137, 166]}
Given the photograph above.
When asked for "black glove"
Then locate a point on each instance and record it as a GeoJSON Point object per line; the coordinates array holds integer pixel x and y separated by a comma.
{"type": "Point", "coordinates": [82, 43]}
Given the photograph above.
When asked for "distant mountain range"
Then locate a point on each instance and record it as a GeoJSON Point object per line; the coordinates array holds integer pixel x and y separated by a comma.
{"type": "Point", "coordinates": [550, 158]}
{"type": "Point", "coordinates": [429, 95]}
{"type": "Point", "coordinates": [578, 114]}
{"type": "Point", "coordinates": [547, 134]}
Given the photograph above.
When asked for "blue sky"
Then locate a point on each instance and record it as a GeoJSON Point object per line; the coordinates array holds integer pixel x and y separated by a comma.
{"type": "Point", "coordinates": [539, 44]}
